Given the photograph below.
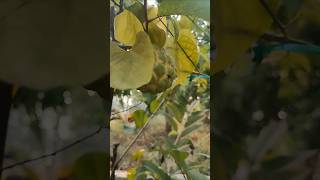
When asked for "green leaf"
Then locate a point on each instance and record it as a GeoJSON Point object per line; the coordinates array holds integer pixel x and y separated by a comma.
{"type": "Point", "coordinates": [195, 117]}
{"type": "Point", "coordinates": [46, 45]}
{"type": "Point", "coordinates": [140, 118]}
{"type": "Point", "coordinates": [150, 166]}
{"type": "Point", "coordinates": [237, 25]}
{"type": "Point", "coordinates": [175, 111]}
{"type": "Point", "coordinates": [184, 142]}
{"type": "Point", "coordinates": [199, 8]}
{"type": "Point", "coordinates": [132, 69]}
{"type": "Point", "coordinates": [138, 10]}
{"type": "Point", "coordinates": [91, 166]}
{"type": "Point", "coordinates": [190, 129]}
{"type": "Point", "coordinates": [179, 157]}
{"type": "Point", "coordinates": [154, 105]}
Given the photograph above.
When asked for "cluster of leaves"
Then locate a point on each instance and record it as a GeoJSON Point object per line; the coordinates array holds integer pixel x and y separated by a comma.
{"type": "Point", "coordinates": [152, 41]}
{"type": "Point", "coordinates": [266, 114]}
{"type": "Point", "coordinates": [157, 49]}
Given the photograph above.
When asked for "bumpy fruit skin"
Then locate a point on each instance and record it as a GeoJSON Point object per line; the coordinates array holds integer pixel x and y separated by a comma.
{"type": "Point", "coordinates": [163, 75]}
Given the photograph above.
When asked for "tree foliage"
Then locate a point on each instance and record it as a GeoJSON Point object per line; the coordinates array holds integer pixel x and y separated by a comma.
{"type": "Point", "coordinates": [160, 57]}
{"type": "Point", "coordinates": [265, 95]}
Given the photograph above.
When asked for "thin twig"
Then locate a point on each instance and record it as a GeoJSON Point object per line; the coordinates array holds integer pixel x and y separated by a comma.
{"type": "Point", "coordinates": [136, 137]}
{"type": "Point", "coordinates": [182, 171]}
{"type": "Point", "coordinates": [145, 4]}
{"type": "Point", "coordinates": [52, 154]}
{"type": "Point", "coordinates": [65, 147]}
{"type": "Point", "coordinates": [113, 159]}
{"type": "Point", "coordinates": [121, 5]}
{"type": "Point", "coordinates": [274, 18]}
{"type": "Point", "coordinates": [125, 110]}
{"type": "Point", "coordinates": [114, 2]}
{"type": "Point", "coordinates": [152, 19]}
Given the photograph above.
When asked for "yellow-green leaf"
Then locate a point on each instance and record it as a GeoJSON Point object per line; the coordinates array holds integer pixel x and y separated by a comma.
{"type": "Point", "coordinates": [154, 105]}
{"type": "Point", "coordinates": [157, 35]}
{"type": "Point", "coordinates": [237, 25]}
{"type": "Point", "coordinates": [152, 12]}
{"type": "Point", "coordinates": [140, 118]}
{"type": "Point", "coordinates": [137, 155]}
{"type": "Point", "coordinates": [131, 174]}
{"type": "Point", "coordinates": [187, 55]}
{"type": "Point", "coordinates": [185, 23]}
{"type": "Point", "coordinates": [161, 23]}
{"type": "Point", "coordinates": [132, 69]}
{"type": "Point", "coordinates": [126, 26]}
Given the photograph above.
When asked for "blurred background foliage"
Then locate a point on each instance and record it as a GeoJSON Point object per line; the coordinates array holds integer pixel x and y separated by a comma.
{"type": "Point", "coordinates": [43, 121]}
{"type": "Point", "coordinates": [266, 112]}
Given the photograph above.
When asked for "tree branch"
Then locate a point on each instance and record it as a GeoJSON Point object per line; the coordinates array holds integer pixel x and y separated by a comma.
{"type": "Point", "coordinates": [126, 109]}
{"type": "Point", "coordinates": [56, 152]}
{"type": "Point", "coordinates": [274, 18]}
{"type": "Point", "coordinates": [145, 4]}
{"type": "Point", "coordinates": [115, 165]}
{"type": "Point", "coordinates": [63, 148]}
{"type": "Point", "coordinates": [114, 2]}
{"type": "Point", "coordinates": [114, 159]}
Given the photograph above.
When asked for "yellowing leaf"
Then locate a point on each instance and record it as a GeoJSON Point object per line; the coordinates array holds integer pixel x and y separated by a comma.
{"type": "Point", "coordinates": [126, 26]}
{"type": "Point", "coordinates": [237, 25]}
{"type": "Point", "coordinates": [132, 69]}
{"type": "Point", "coordinates": [185, 23]}
{"type": "Point", "coordinates": [152, 12]}
{"type": "Point", "coordinates": [161, 23]}
{"type": "Point", "coordinates": [131, 174]}
{"type": "Point", "coordinates": [137, 155]}
{"type": "Point", "coordinates": [186, 56]}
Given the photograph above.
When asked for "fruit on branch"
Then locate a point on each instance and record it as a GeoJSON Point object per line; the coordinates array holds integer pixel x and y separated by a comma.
{"type": "Point", "coordinates": [157, 35]}
{"type": "Point", "coordinates": [163, 75]}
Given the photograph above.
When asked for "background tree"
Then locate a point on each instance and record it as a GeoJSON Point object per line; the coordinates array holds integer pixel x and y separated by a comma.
{"type": "Point", "coordinates": [265, 101]}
